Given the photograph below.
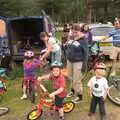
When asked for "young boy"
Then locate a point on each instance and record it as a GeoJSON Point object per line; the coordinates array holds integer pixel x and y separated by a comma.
{"type": "Point", "coordinates": [58, 85]}
{"type": "Point", "coordinates": [98, 88]}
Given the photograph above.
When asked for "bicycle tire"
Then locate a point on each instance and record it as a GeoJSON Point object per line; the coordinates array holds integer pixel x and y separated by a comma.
{"type": "Point", "coordinates": [34, 111]}
{"type": "Point", "coordinates": [113, 98]}
{"type": "Point", "coordinates": [68, 106]}
{"type": "Point", "coordinates": [4, 110]}
{"type": "Point", "coordinates": [32, 92]}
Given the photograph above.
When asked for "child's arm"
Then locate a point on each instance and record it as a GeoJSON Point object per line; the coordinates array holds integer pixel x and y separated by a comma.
{"type": "Point", "coordinates": [90, 91]}
{"type": "Point", "coordinates": [58, 91]}
{"type": "Point", "coordinates": [44, 77]}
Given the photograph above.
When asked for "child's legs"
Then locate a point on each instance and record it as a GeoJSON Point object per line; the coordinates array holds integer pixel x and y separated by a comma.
{"type": "Point", "coordinates": [77, 75]}
{"type": "Point", "coordinates": [24, 86]}
{"type": "Point", "coordinates": [70, 72]}
{"type": "Point", "coordinates": [93, 105]}
{"type": "Point", "coordinates": [102, 107]}
{"type": "Point", "coordinates": [59, 105]}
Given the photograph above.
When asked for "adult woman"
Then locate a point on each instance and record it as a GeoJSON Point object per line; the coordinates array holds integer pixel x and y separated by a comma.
{"type": "Point", "coordinates": [87, 32]}
{"type": "Point", "coordinates": [51, 47]}
{"type": "Point", "coordinates": [77, 55]}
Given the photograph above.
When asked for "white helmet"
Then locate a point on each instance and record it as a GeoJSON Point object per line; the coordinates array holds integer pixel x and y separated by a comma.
{"type": "Point", "coordinates": [29, 54]}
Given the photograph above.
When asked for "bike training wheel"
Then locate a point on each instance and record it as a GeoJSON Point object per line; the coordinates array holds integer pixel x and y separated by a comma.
{"type": "Point", "coordinates": [33, 115]}
{"type": "Point", "coordinates": [3, 110]}
{"type": "Point", "coordinates": [31, 92]}
{"type": "Point", "coordinates": [114, 94]}
{"type": "Point", "coordinates": [68, 106]}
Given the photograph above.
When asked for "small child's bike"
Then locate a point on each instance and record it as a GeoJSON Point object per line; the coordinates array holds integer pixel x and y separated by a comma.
{"type": "Point", "coordinates": [36, 113]}
{"type": "Point", "coordinates": [3, 110]}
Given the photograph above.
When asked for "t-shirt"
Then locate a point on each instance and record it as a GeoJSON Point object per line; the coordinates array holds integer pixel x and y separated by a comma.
{"type": "Point", "coordinates": [58, 82]}
{"type": "Point", "coordinates": [55, 46]}
{"type": "Point", "coordinates": [116, 36]}
{"type": "Point", "coordinates": [98, 86]}
{"type": "Point", "coordinates": [30, 68]}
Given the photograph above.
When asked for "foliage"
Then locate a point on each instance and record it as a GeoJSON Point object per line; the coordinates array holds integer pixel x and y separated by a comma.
{"type": "Point", "coordinates": [63, 10]}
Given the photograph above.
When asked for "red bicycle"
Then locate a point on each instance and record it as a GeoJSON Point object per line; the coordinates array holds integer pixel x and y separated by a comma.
{"type": "Point", "coordinates": [36, 113]}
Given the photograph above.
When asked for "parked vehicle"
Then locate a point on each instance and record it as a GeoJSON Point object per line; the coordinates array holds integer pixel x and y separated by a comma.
{"type": "Point", "coordinates": [100, 30]}
{"type": "Point", "coordinates": [21, 33]}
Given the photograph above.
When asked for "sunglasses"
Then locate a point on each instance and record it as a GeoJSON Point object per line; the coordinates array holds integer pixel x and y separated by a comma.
{"type": "Point", "coordinates": [102, 68]}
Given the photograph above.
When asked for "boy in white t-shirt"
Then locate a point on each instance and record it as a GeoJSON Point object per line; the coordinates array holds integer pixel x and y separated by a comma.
{"type": "Point", "coordinates": [98, 88]}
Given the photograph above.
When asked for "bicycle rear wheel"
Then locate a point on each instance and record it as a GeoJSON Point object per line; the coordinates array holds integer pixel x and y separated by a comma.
{"type": "Point", "coordinates": [114, 94]}
{"type": "Point", "coordinates": [3, 110]}
{"type": "Point", "coordinates": [31, 92]}
{"type": "Point", "coordinates": [68, 106]}
{"type": "Point", "coordinates": [34, 115]}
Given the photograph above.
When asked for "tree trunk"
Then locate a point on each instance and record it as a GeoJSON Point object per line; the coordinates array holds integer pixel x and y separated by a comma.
{"type": "Point", "coordinates": [89, 11]}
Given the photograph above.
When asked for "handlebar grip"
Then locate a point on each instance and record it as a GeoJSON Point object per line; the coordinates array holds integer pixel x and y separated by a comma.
{"type": "Point", "coordinates": [43, 88]}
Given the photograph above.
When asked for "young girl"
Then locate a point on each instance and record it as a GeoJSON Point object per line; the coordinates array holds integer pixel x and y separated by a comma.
{"type": "Point", "coordinates": [52, 47]}
{"type": "Point", "coordinates": [98, 88]}
{"type": "Point", "coordinates": [58, 85]}
{"type": "Point", "coordinates": [30, 64]}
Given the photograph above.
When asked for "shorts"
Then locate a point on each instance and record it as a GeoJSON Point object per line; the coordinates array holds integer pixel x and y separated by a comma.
{"type": "Point", "coordinates": [59, 102]}
{"type": "Point", "coordinates": [31, 78]}
{"type": "Point", "coordinates": [115, 52]}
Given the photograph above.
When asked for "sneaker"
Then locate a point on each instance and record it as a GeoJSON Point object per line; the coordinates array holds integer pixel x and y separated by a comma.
{"type": "Point", "coordinates": [90, 114]}
{"type": "Point", "coordinates": [69, 95]}
{"type": "Point", "coordinates": [113, 74]}
{"type": "Point", "coordinates": [77, 100]}
{"type": "Point", "coordinates": [62, 118]}
{"type": "Point", "coordinates": [23, 97]}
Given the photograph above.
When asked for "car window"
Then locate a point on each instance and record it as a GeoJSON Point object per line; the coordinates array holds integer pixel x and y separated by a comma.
{"type": "Point", "coordinates": [101, 31]}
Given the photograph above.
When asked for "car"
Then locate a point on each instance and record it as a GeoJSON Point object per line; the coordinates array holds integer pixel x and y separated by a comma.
{"type": "Point", "coordinates": [17, 33]}
{"type": "Point", "coordinates": [99, 31]}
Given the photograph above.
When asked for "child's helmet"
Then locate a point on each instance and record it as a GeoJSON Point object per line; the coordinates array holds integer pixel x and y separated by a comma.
{"type": "Point", "coordinates": [29, 54]}
{"type": "Point", "coordinates": [100, 65]}
{"type": "Point", "coordinates": [56, 64]}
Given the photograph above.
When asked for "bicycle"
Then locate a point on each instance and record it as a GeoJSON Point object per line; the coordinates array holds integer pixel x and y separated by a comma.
{"type": "Point", "coordinates": [30, 91]}
{"type": "Point", "coordinates": [3, 110]}
{"type": "Point", "coordinates": [36, 113]}
{"type": "Point", "coordinates": [114, 89]}
{"type": "Point", "coordinates": [95, 55]}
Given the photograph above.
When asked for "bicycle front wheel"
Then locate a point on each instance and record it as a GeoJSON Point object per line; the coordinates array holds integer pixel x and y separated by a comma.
{"type": "Point", "coordinates": [34, 115]}
{"type": "Point", "coordinates": [114, 94]}
{"type": "Point", "coordinates": [3, 110]}
{"type": "Point", "coordinates": [68, 106]}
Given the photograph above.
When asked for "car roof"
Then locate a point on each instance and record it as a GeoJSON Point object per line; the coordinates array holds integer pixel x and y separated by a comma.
{"type": "Point", "coordinates": [100, 25]}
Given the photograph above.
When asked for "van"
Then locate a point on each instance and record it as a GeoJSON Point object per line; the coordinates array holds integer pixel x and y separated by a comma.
{"type": "Point", "coordinates": [19, 33]}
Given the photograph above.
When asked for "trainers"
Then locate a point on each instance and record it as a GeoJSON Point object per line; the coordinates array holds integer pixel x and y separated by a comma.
{"type": "Point", "coordinates": [61, 118]}
{"type": "Point", "coordinates": [90, 114]}
{"type": "Point", "coordinates": [77, 100]}
{"type": "Point", "coordinates": [69, 95]}
{"type": "Point", "coordinates": [23, 97]}
{"type": "Point", "coordinates": [113, 74]}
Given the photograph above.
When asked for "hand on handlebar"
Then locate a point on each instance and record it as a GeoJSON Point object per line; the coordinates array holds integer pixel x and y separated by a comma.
{"type": "Point", "coordinates": [52, 95]}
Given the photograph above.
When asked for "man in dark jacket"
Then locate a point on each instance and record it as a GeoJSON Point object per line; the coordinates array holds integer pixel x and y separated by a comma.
{"type": "Point", "coordinates": [77, 56]}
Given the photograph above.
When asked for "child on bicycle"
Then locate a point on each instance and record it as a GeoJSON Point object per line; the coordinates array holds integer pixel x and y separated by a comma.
{"type": "Point", "coordinates": [58, 85]}
{"type": "Point", "coordinates": [98, 88]}
{"type": "Point", "coordinates": [30, 65]}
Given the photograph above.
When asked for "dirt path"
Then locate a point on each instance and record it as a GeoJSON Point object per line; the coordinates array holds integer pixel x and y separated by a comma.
{"type": "Point", "coordinates": [80, 113]}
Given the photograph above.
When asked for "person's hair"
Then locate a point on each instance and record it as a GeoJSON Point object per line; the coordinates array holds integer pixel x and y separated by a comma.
{"type": "Point", "coordinates": [117, 20]}
{"type": "Point", "coordinates": [44, 34]}
{"type": "Point", "coordinates": [83, 27]}
{"type": "Point", "coordinates": [76, 26]}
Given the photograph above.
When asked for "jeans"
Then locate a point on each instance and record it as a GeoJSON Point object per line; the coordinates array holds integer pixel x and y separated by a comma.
{"type": "Point", "coordinates": [56, 56]}
{"type": "Point", "coordinates": [74, 72]}
{"type": "Point", "coordinates": [97, 100]}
